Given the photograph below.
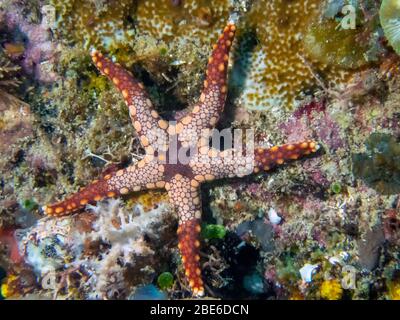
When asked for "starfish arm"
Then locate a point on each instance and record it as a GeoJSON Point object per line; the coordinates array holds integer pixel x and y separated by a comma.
{"type": "Point", "coordinates": [186, 200]}
{"type": "Point", "coordinates": [145, 118]}
{"type": "Point", "coordinates": [210, 164]}
{"type": "Point", "coordinates": [207, 111]}
{"type": "Point", "coordinates": [230, 163]}
{"type": "Point", "coordinates": [134, 178]}
{"type": "Point", "coordinates": [267, 158]}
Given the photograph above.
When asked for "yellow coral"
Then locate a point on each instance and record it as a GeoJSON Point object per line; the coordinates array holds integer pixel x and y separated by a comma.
{"type": "Point", "coordinates": [192, 19]}
{"type": "Point", "coordinates": [331, 290]}
{"type": "Point", "coordinates": [281, 66]}
{"type": "Point", "coordinates": [394, 291]}
{"type": "Point", "coordinates": [278, 72]}
{"type": "Point", "coordinates": [296, 295]}
{"type": "Point", "coordinates": [7, 289]}
{"type": "Point", "coordinates": [149, 199]}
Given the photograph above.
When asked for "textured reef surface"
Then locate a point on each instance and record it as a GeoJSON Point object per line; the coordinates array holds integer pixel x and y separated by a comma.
{"type": "Point", "coordinates": [326, 227]}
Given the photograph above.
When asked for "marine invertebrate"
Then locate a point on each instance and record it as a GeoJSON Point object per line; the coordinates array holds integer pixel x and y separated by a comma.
{"type": "Point", "coordinates": [15, 115]}
{"type": "Point", "coordinates": [336, 187]}
{"type": "Point", "coordinates": [277, 72]}
{"type": "Point", "coordinates": [391, 225]}
{"type": "Point", "coordinates": [18, 283]}
{"type": "Point", "coordinates": [7, 237]}
{"type": "Point", "coordinates": [390, 21]}
{"type": "Point", "coordinates": [29, 204]}
{"type": "Point", "coordinates": [111, 253]}
{"type": "Point", "coordinates": [167, 145]}
{"type": "Point", "coordinates": [124, 231]}
{"type": "Point", "coordinates": [370, 248]}
{"type": "Point", "coordinates": [7, 288]}
{"type": "Point", "coordinates": [331, 289]}
{"type": "Point", "coordinates": [190, 20]}
{"type": "Point", "coordinates": [297, 47]}
{"type": "Point", "coordinates": [148, 292]}
{"type": "Point", "coordinates": [379, 166]}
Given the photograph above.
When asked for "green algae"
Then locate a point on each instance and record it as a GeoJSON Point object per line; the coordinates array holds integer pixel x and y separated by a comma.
{"type": "Point", "coordinates": [336, 187]}
{"type": "Point", "coordinates": [379, 166]}
{"type": "Point", "coordinates": [335, 47]}
{"type": "Point", "coordinates": [213, 231]}
{"type": "Point", "coordinates": [165, 280]}
{"type": "Point", "coordinates": [287, 268]}
{"type": "Point", "coordinates": [29, 204]}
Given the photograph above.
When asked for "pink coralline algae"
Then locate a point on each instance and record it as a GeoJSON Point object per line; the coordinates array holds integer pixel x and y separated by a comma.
{"type": "Point", "coordinates": [308, 109]}
{"type": "Point", "coordinates": [313, 115]}
{"type": "Point", "coordinates": [7, 237]}
{"type": "Point", "coordinates": [39, 55]}
{"type": "Point", "coordinates": [391, 225]}
{"type": "Point", "coordinates": [316, 174]}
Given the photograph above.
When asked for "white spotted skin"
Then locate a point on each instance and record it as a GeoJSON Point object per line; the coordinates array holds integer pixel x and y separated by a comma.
{"type": "Point", "coordinates": [134, 178]}
{"type": "Point", "coordinates": [185, 198]}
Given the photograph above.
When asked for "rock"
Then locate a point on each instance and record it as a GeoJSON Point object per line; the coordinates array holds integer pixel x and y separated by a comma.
{"type": "Point", "coordinates": [262, 231]}
{"type": "Point", "coordinates": [369, 249]}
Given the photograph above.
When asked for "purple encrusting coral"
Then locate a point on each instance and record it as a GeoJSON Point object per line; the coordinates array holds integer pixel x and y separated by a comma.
{"type": "Point", "coordinates": [312, 120]}
{"type": "Point", "coordinates": [40, 50]}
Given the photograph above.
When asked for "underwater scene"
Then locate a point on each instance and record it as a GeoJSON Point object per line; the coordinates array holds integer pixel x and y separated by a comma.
{"type": "Point", "coordinates": [198, 149]}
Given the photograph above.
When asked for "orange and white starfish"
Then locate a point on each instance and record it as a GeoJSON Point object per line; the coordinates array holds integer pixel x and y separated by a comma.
{"type": "Point", "coordinates": [161, 168]}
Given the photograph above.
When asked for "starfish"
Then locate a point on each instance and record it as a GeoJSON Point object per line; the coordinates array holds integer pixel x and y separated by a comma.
{"type": "Point", "coordinates": [166, 164]}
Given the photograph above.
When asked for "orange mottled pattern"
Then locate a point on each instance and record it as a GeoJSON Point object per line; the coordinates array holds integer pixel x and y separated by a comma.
{"type": "Point", "coordinates": [188, 235]}
{"type": "Point", "coordinates": [266, 159]}
{"type": "Point", "coordinates": [92, 193]}
{"type": "Point", "coordinates": [206, 112]}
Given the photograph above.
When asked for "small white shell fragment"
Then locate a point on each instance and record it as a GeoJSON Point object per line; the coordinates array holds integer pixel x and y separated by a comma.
{"type": "Point", "coordinates": [307, 271]}
{"type": "Point", "coordinates": [341, 258]}
{"type": "Point", "coordinates": [335, 260]}
{"type": "Point", "coordinates": [273, 216]}
{"type": "Point", "coordinates": [177, 62]}
{"type": "Point", "coordinates": [344, 255]}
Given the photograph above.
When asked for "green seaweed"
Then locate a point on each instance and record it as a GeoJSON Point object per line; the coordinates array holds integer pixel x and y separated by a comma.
{"type": "Point", "coordinates": [335, 47]}
{"type": "Point", "coordinates": [165, 280]}
{"type": "Point", "coordinates": [213, 231]}
{"type": "Point", "coordinates": [336, 187]}
{"type": "Point", "coordinates": [29, 204]}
